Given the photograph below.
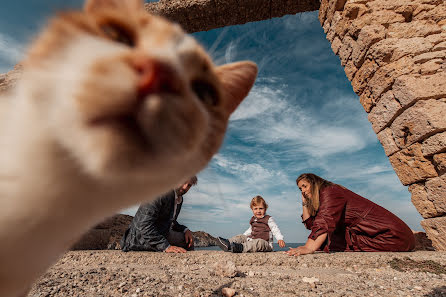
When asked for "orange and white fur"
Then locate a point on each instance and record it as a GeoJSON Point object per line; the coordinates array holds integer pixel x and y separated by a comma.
{"type": "Point", "coordinates": [115, 107]}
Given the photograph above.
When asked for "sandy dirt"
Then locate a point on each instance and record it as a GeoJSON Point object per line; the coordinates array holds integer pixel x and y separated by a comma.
{"type": "Point", "coordinates": [206, 273]}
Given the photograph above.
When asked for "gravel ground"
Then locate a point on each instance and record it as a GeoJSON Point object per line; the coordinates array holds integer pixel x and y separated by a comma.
{"type": "Point", "coordinates": [206, 273]}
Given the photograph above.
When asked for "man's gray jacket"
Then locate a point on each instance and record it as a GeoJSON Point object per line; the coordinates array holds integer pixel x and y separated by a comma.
{"type": "Point", "coordinates": [152, 222]}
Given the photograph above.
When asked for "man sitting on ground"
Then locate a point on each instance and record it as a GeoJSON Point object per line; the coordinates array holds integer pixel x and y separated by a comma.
{"type": "Point", "coordinates": [155, 226]}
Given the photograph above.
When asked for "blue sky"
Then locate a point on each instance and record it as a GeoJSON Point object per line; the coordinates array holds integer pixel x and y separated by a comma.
{"type": "Point", "coordinates": [301, 116]}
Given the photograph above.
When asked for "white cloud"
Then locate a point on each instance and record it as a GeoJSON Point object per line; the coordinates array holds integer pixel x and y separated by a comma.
{"type": "Point", "coordinates": [229, 53]}
{"type": "Point", "coordinates": [266, 116]}
{"type": "Point", "coordinates": [261, 100]}
{"type": "Point", "coordinates": [325, 140]}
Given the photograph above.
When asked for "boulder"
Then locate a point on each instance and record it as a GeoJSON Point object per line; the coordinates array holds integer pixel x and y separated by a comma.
{"type": "Point", "coordinates": [422, 242]}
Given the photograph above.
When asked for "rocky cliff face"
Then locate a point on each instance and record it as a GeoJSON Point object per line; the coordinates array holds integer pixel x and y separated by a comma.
{"type": "Point", "coordinates": [393, 52]}
{"type": "Point", "coordinates": [108, 234]}
{"type": "Point", "coordinates": [203, 239]}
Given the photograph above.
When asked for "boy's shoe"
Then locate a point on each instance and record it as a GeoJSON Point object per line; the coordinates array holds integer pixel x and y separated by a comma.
{"type": "Point", "coordinates": [224, 244]}
{"type": "Point", "coordinates": [237, 247]}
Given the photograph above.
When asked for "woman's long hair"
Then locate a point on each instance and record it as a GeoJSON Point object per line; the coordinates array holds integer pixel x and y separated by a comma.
{"type": "Point", "coordinates": [317, 183]}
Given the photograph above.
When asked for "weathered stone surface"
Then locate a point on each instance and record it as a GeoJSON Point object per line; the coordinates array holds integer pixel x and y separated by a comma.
{"type": "Point", "coordinates": [384, 111]}
{"type": "Point", "coordinates": [331, 29]}
{"type": "Point", "coordinates": [284, 7]}
{"type": "Point", "coordinates": [408, 89]}
{"type": "Point", "coordinates": [440, 46]}
{"type": "Point", "coordinates": [386, 139]}
{"type": "Point", "coordinates": [440, 54]}
{"type": "Point", "coordinates": [392, 49]}
{"type": "Point", "coordinates": [342, 26]}
{"type": "Point", "coordinates": [350, 70]}
{"type": "Point", "coordinates": [333, 6]}
{"type": "Point", "coordinates": [420, 8]}
{"type": "Point", "coordinates": [431, 67]}
{"type": "Point", "coordinates": [430, 198]}
{"type": "Point", "coordinates": [367, 100]}
{"type": "Point", "coordinates": [385, 76]}
{"type": "Point", "coordinates": [436, 38]}
{"type": "Point", "coordinates": [436, 231]}
{"type": "Point", "coordinates": [362, 76]}
{"type": "Point", "coordinates": [323, 11]}
{"type": "Point", "coordinates": [346, 49]}
{"type": "Point", "coordinates": [411, 166]}
{"type": "Point", "coordinates": [421, 201]}
{"type": "Point", "coordinates": [259, 8]}
{"type": "Point", "coordinates": [202, 15]}
{"type": "Point", "coordinates": [434, 144]}
{"type": "Point", "coordinates": [440, 164]}
{"type": "Point", "coordinates": [436, 13]}
{"type": "Point", "coordinates": [423, 119]}
{"type": "Point", "coordinates": [353, 10]}
{"type": "Point", "coordinates": [394, 54]}
{"type": "Point", "coordinates": [368, 36]}
{"type": "Point", "coordinates": [326, 27]}
{"type": "Point", "coordinates": [413, 29]}
{"type": "Point", "coordinates": [375, 17]}
{"type": "Point", "coordinates": [436, 189]}
{"type": "Point", "coordinates": [390, 5]}
{"type": "Point", "coordinates": [336, 45]}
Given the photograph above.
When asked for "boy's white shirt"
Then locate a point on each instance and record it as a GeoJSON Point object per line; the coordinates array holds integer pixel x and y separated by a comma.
{"type": "Point", "coordinates": [274, 230]}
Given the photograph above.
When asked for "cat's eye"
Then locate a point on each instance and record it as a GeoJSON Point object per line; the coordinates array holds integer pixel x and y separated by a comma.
{"type": "Point", "coordinates": [205, 92]}
{"type": "Point", "coordinates": [118, 34]}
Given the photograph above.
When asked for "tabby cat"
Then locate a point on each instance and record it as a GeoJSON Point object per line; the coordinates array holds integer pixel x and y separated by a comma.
{"type": "Point", "coordinates": [115, 106]}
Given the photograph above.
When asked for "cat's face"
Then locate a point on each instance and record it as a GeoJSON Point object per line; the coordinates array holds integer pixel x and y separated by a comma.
{"type": "Point", "coordinates": [130, 94]}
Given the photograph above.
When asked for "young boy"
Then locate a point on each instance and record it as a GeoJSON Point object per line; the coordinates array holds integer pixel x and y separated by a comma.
{"type": "Point", "coordinates": [259, 236]}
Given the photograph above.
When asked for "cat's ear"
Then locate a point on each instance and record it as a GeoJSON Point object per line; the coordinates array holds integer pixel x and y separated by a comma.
{"type": "Point", "coordinates": [237, 80]}
{"type": "Point", "coordinates": [92, 6]}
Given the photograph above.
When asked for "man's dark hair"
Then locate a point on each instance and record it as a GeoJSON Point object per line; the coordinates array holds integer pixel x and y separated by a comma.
{"type": "Point", "coordinates": [193, 180]}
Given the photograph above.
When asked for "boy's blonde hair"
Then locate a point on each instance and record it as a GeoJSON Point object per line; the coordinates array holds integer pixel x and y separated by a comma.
{"type": "Point", "coordinates": [257, 200]}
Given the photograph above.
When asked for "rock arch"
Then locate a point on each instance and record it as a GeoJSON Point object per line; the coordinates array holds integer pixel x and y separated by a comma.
{"type": "Point", "coordinates": [394, 54]}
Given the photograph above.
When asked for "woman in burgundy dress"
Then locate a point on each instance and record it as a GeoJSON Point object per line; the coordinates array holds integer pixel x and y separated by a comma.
{"type": "Point", "coordinates": [341, 220]}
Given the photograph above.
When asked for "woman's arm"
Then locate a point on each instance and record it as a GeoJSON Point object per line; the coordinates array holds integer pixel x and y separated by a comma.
{"type": "Point", "coordinates": [310, 246]}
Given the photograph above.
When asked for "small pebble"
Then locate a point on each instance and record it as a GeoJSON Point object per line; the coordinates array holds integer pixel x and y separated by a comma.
{"type": "Point", "coordinates": [228, 292]}
{"type": "Point", "coordinates": [310, 280]}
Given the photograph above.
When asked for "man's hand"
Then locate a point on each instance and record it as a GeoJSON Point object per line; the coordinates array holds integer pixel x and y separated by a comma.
{"type": "Point", "coordinates": [281, 243]}
{"type": "Point", "coordinates": [175, 249]}
{"type": "Point", "coordinates": [301, 250]}
{"type": "Point", "coordinates": [189, 238]}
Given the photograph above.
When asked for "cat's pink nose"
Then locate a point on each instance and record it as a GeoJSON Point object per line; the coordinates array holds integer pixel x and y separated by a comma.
{"type": "Point", "coordinates": [155, 77]}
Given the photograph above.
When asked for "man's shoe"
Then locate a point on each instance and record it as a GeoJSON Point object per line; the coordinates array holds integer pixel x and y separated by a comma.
{"type": "Point", "coordinates": [224, 244]}
{"type": "Point", "coordinates": [237, 247]}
